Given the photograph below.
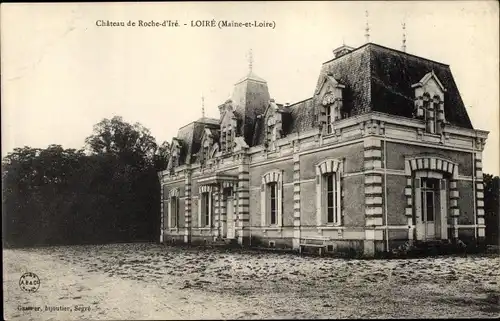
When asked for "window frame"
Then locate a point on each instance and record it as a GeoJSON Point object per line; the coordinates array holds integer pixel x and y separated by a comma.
{"type": "Point", "coordinates": [273, 202]}
{"type": "Point", "coordinates": [272, 182]}
{"type": "Point", "coordinates": [331, 197]}
{"type": "Point", "coordinates": [174, 218]}
{"type": "Point", "coordinates": [328, 113]}
{"type": "Point", "coordinates": [330, 168]}
{"type": "Point", "coordinates": [173, 196]}
{"type": "Point", "coordinates": [205, 207]}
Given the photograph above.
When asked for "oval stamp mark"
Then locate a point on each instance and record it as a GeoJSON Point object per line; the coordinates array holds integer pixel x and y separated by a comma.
{"type": "Point", "coordinates": [29, 282]}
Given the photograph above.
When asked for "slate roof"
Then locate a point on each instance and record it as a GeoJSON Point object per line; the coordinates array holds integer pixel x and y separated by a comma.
{"type": "Point", "coordinates": [251, 76]}
{"type": "Point", "coordinates": [191, 136]}
{"type": "Point", "coordinates": [376, 78]}
{"type": "Point", "coordinates": [379, 79]}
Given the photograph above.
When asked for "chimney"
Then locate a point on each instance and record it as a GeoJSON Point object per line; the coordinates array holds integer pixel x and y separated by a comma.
{"type": "Point", "coordinates": [340, 51]}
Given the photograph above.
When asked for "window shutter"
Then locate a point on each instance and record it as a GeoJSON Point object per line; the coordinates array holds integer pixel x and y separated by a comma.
{"type": "Point", "coordinates": [319, 199]}
{"type": "Point", "coordinates": [168, 221]}
{"type": "Point", "coordinates": [338, 191]}
{"type": "Point", "coordinates": [178, 211]}
{"type": "Point", "coordinates": [263, 207]}
{"type": "Point", "coordinates": [172, 212]}
{"type": "Point", "coordinates": [341, 191]}
{"type": "Point", "coordinates": [279, 195]}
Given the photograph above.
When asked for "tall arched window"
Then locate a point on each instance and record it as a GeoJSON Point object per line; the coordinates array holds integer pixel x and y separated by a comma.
{"type": "Point", "coordinates": [205, 206]}
{"type": "Point", "coordinates": [329, 192]}
{"type": "Point", "coordinates": [272, 199]}
{"type": "Point", "coordinates": [173, 208]}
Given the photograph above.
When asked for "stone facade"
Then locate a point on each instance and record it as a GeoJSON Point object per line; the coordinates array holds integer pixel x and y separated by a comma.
{"type": "Point", "coordinates": [341, 169]}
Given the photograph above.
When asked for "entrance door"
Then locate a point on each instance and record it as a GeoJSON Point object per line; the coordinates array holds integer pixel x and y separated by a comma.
{"type": "Point", "coordinates": [230, 218]}
{"type": "Point", "coordinates": [431, 208]}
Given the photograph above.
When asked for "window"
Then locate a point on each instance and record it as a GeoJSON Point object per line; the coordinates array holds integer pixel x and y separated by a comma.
{"type": "Point", "coordinates": [206, 207]}
{"type": "Point", "coordinates": [228, 192]}
{"type": "Point", "coordinates": [429, 105]}
{"type": "Point", "coordinates": [174, 211]}
{"type": "Point", "coordinates": [173, 164]}
{"type": "Point", "coordinates": [273, 202]}
{"type": "Point", "coordinates": [331, 197]}
{"type": "Point", "coordinates": [329, 192]}
{"type": "Point", "coordinates": [272, 199]}
{"type": "Point", "coordinates": [328, 110]}
{"type": "Point", "coordinates": [223, 140]}
{"type": "Point", "coordinates": [271, 136]}
{"type": "Point", "coordinates": [229, 141]}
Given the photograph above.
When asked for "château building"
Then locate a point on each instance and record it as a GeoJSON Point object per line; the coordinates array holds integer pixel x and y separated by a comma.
{"type": "Point", "coordinates": [383, 152]}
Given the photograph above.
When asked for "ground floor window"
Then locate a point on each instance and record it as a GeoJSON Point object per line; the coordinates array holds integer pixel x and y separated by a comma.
{"type": "Point", "coordinates": [207, 209]}
{"type": "Point", "coordinates": [174, 211]}
{"type": "Point", "coordinates": [273, 202]}
{"type": "Point", "coordinates": [329, 192]}
{"type": "Point", "coordinates": [331, 200]}
{"type": "Point", "coordinates": [272, 199]}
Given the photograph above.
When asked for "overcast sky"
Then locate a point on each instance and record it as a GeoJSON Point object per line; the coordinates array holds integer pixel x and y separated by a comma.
{"type": "Point", "coordinates": [61, 74]}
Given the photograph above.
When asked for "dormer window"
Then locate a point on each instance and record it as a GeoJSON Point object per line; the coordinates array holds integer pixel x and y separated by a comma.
{"type": "Point", "coordinates": [328, 111]}
{"type": "Point", "coordinates": [271, 133]}
{"type": "Point", "coordinates": [174, 156]}
{"type": "Point", "coordinates": [223, 140]}
{"type": "Point", "coordinates": [229, 141]}
{"type": "Point", "coordinates": [429, 102]}
{"type": "Point", "coordinates": [331, 110]}
{"type": "Point", "coordinates": [330, 95]}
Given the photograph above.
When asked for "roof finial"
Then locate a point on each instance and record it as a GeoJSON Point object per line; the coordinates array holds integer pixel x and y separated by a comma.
{"type": "Point", "coordinates": [367, 29]}
{"type": "Point", "coordinates": [250, 60]}
{"type": "Point", "coordinates": [404, 37]}
{"type": "Point", "coordinates": [343, 41]}
{"type": "Point", "coordinates": [202, 106]}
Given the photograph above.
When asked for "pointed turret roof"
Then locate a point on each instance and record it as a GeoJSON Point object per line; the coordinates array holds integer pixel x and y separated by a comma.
{"type": "Point", "coordinates": [251, 76]}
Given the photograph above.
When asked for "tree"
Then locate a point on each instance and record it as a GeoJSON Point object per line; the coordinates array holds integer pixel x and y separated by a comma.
{"type": "Point", "coordinates": [131, 143]}
{"type": "Point", "coordinates": [161, 157]}
{"type": "Point", "coordinates": [63, 196]}
{"type": "Point", "coordinates": [38, 193]}
{"type": "Point", "coordinates": [492, 208]}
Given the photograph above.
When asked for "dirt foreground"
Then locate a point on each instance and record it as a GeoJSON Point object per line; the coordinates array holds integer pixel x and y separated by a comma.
{"type": "Point", "coordinates": [151, 281]}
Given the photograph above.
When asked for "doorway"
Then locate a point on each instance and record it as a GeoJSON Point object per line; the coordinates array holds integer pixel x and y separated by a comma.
{"type": "Point", "coordinates": [431, 206]}
{"type": "Point", "coordinates": [430, 211]}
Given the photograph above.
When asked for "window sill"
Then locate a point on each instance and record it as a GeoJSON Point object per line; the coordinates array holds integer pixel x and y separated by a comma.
{"type": "Point", "coordinates": [432, 135]}
{"type": "Point", "coordinates": [271, 228]}
{"type": "Point", "coordinates": [205, 228]}
{"type": "Point", "coordinates": [331, 227]}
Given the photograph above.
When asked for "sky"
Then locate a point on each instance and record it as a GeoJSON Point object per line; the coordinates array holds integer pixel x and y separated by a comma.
{"type": "Point", "coordinates": [61, 73]}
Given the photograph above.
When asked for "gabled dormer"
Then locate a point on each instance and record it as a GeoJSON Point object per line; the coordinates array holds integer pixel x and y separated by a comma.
{"type": "Point", "coordinates": [273, 123]}
{"type": "Point", "coordinates": [429, 102]}
{"type": "Point", "coordinates": [175, 154]}
{"type": "Point", "coordinates": [228, 128]}
{"type": "Point", "coordinates": [330, 96]}
{"type": "Point", "coordinates": [209, 144]}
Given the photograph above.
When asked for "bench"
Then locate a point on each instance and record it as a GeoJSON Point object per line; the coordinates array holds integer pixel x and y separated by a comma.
{"type": "Point", "coordinates": [320, 247]}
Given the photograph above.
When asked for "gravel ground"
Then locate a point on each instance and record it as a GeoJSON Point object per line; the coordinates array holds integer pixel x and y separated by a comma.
{"type": "Point", "coordinates": [151, 281]}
